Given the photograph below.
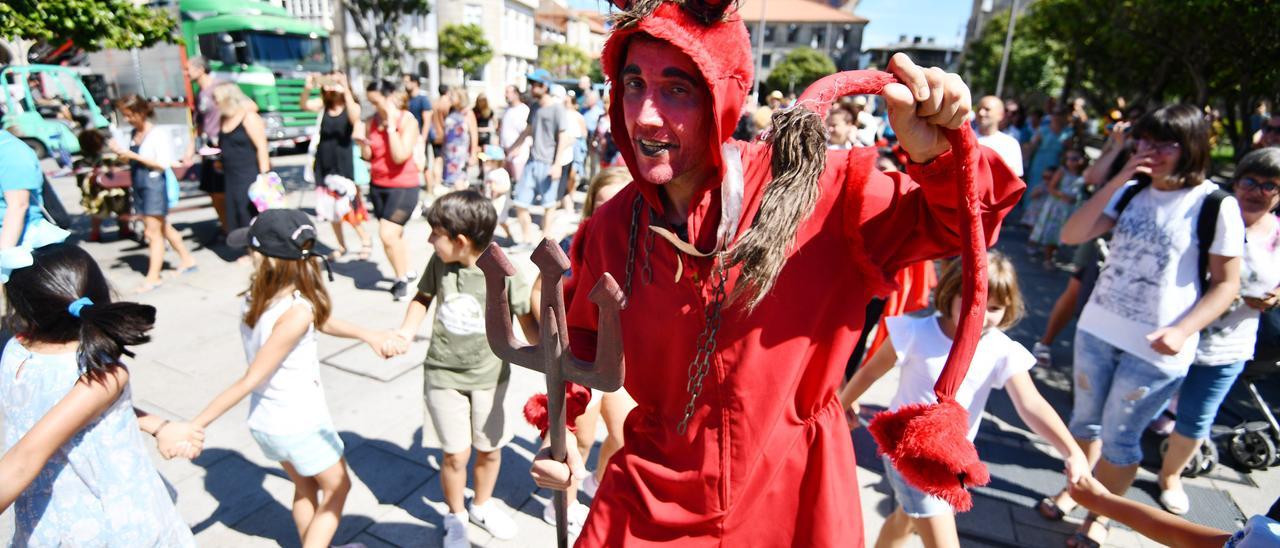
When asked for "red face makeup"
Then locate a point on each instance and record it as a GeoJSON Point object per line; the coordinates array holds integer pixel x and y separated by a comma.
{"type": "Point", "coordinates": [668, 113]}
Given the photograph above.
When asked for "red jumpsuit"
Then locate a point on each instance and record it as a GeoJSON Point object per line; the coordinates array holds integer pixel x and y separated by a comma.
{"type": "Point", "coordinates": [767, 459]}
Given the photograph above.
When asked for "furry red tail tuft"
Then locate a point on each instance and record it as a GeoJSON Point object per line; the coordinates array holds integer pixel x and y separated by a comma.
{"type": "Point", "coordinates": [576, 399]}
{"type": "Point", "coordinates": [930, 447]}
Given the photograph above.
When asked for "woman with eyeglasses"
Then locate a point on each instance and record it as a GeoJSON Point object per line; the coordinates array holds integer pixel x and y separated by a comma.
{"type": "Point", "coordinates": [1137, 335]}
{"type": "Point", "coordinates": [1228, 342]}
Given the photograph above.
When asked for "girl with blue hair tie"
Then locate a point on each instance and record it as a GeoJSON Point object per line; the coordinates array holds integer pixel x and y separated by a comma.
{"type": "Point", "coordinates": [74, 465]}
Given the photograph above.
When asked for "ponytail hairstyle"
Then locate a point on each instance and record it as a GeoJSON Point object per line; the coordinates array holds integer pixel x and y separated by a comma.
{"type": "Point", "coordinates": [39, 297]}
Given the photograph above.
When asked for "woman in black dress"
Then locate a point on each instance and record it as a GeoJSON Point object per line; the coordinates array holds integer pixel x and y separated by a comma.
{"type": "Point", "coordinates": [338, 198]}
{"type": "Point", "coordinates": [243, 140]}
{"type": "Point", "coordinates": [484, 121]}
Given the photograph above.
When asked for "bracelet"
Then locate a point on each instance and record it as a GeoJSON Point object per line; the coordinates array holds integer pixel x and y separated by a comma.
{"type": "Point", "coordinates": [159, 428]}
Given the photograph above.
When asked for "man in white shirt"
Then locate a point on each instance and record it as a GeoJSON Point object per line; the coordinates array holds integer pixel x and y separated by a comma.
{"type": "Point", "coordinates": [510, 126]}
{"type": "Point", "coordinates": [990, 113]}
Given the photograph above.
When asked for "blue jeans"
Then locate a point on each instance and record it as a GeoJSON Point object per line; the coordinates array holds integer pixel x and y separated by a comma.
{"type": "Point", "coordinates": [1202, 392]}
{"type": "Point", "coordinates": [1116, 395]}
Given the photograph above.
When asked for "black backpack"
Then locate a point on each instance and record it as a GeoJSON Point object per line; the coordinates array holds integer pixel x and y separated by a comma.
{"type": "Point", "coordinates": [1206, 222]}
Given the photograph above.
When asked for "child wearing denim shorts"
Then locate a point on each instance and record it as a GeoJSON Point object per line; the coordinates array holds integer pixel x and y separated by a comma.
{"type": "Point", "coordinates": [284, 308]}
{"type": "Point", "coordinates": [918, 346]}
{"type": "Point", "coordinates": [466, 384]}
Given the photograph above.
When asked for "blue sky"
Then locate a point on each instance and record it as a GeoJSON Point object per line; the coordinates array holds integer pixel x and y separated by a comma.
{"type": "Point", "coordinates": [944, 21]}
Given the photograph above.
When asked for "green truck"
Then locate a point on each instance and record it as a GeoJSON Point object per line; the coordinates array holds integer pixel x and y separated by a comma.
{"type": "Point", "coordinates": [257, 45]}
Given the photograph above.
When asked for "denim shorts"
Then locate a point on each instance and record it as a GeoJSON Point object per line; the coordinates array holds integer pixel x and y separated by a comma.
{"type": "Point", "coordinates": [309, 453]}
{"type": "Point", "coordinates": [535, 181]}
{"type": "Point", "coordinates": [914, 502]}
{"type": "Point", "coordinates": [1202, 392]}
{"type": "Point", "coordinates": [1117, 395]}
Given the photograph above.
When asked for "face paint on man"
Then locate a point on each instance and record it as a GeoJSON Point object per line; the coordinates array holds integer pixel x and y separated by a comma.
{"type": "Point", "coordinates": [667, 109]}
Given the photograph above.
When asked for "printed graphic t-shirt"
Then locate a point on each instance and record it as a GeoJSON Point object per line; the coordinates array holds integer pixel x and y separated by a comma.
{"type": "Point", "coordinates": [1149, 280]}
{"type": "Point", "coordinates": [459, 356]}
{"type": "Point", "coordinates": [922, 348]}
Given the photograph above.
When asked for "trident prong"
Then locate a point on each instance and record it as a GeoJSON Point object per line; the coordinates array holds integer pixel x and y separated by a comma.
{"type": "Point", "coordinates": [551, 356]}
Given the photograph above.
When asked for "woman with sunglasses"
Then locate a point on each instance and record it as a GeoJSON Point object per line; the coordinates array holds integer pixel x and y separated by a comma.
{"type": "Point", "coordinates": [1228, 342]}
{"type": "Point", "coordinates": [1137, 335]}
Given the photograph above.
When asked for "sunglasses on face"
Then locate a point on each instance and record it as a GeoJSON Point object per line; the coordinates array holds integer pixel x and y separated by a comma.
{"type": "Point", "coordinates": [1249, 183]}
{"type": "Point", "coordinates": [1162, 148]}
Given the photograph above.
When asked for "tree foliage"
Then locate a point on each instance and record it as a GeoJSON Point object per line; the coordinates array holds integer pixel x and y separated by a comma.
{"type": "Point", "coordinates": [1212, 53]}
{"type": "Point", "coordinates": [801, 67]}
{"type": "Point", "coordinates": [89, 24]}
{"type": "Point", "coordinates": [1032, 66]}
{"type": "Point", "coordinates": [378, 24]}
{"type": "Point", "coordinates": [464, 47]}
{"type": "Point", "coordinates": [564, 61]}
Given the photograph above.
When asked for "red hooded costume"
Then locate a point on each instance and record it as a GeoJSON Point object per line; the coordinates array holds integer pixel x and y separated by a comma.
{"type": "Point", "coordinates": [767, 458]}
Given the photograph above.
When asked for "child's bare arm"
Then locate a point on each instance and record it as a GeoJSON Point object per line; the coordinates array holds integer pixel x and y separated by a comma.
{"type": "Point", "coordinates": [1151, 522]}
{"type": "Point", "coordinates": [413, 316]}
{"type": "Point", "coordinates": [285, 334]}
{"type": "Point", "coordinates": [375, 339]}
{"type": "Point", "coordinates": [88, 399]}
{"type": "Point", "coordinates": [880, 363]}
{"type": "Point", "coordinates": [529, 325]}
{"type": "Point", "coordinates": [1044, 421]}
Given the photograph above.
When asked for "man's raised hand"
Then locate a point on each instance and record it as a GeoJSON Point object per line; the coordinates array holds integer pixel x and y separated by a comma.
{"type": "Point", "coordinates": [926, 101]}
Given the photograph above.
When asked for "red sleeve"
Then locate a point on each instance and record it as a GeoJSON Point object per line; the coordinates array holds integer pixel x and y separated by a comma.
{"type": "Point", "coordinates": [583, 314]}
{"type": "Point", "coordinates": [903, 218]}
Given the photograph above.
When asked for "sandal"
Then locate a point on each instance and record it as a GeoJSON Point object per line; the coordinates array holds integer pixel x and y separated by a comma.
{"type": "Point", "coordinates": [1081, 539]}
{"type": "Point", "coordinates": [1049, 509]}
{"type": "Point", "coordinates": [338, 254]}
{"type": "Point", "coordinates": [366, 249]}
{"type": "Point", "coordinates": [146, 287]}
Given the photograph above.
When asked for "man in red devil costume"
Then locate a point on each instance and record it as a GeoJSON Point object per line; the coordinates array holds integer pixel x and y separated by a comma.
{"type": "Point", "coordinates": [747, 268]}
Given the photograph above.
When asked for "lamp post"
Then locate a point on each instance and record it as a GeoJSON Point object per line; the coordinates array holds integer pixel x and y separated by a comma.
{"type": "Point", "coordinates": [1008, 43]}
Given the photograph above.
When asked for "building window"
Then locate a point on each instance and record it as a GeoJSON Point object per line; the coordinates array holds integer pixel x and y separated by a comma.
{"type": "Point", "coordinates": [793, 34]}
{"type": "Point", "coordinates": [472, 14]}
{"type": "Point", "coordinates": [818, 38]}
{"type": "Point", "coordinates": [768, 34]}
{"type": "Point", "coordinates": [766, 59]}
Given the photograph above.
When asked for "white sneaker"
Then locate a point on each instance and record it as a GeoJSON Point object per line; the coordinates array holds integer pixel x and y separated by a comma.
{"type": "Point", "coordinates": [492, 519]}
{"type": "Point", "coordinates": [590, 485]}
{"type": "Point", "coordinates": [577, 516]}
{"type": "Point", "coordinates": [455, 531]}
{"type": "Point", "coordinates": [1043, 354]}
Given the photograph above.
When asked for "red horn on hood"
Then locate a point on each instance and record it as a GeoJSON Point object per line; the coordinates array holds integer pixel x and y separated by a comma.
{"type": "Point", "coordinates": [929, 443]}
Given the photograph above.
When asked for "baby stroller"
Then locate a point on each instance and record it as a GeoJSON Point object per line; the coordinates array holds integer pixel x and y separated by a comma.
{"type": "Point", "coordinates": [1253, 444]}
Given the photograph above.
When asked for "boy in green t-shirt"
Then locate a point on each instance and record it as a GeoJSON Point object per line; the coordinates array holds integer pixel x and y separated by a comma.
{"type": "Point", "coordinates": [465, 382]}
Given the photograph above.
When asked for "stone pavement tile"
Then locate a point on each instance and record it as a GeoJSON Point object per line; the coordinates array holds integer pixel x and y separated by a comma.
{"type": "Point", "coordinates": [219, 535]}
{"type": "Point", "coordinates": [361, 361]}
{"type": "Point", "coordinates": [398, 528]}
{"type": "Point", "coordinates": [231, 490]}
{"type": "Point", "coordinates": [989, 521]}
{"type": "Point", "coordinates": [533, 530]}
{"type": "Point", "coordinates": [371, 541]}
{"type": "Point", "coordinates": [381, 467]}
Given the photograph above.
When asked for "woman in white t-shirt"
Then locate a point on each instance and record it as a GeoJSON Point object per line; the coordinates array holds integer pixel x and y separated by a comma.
{"type": "Point", "coordinates": [918, 347]}
{"type": "Point", "coordinates": [1138, 333]}
{"type": "Point", "coordinates": [1228, 342]}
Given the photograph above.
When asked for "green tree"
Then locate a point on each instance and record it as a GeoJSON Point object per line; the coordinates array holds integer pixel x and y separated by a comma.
{"type": "Point", "coordinates": [801, 67]}
{"type": "Point", "coordinates": [89, 24]}
{"type": "Point", "coordinates": [464, 47]}
{"type": "Point", "coordinates": [378, 24]}
{"type": "Point", "coordinates": [1032, 66]}
{"type": "Point", "coordinates": [564, 61]}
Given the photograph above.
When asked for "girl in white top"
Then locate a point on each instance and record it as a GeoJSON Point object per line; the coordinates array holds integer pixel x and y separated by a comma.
{"type": "Point", "coordinates": [918, 347]}
{"type": "Point", "coordinates": [1138, 333]}
{"type": "Point", "coordinates": [1229, 341]}
{"type": "Point", "coordinates": [286, 305]}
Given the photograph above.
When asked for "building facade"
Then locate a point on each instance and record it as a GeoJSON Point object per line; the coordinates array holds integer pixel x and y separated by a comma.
{"type": "Point", "coordinates": [511, 38]}
{"type": "Point", "coordinates": [791, 24]}
{"type": "Point", "coordinates": [924, 51]}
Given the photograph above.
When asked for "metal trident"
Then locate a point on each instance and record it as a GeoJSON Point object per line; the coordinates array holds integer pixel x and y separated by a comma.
{"type": "Point", "coordinates": [551, 356]}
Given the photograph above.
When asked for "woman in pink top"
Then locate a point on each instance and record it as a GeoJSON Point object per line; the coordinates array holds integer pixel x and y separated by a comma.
{"type": "Point", "coordinates": [390, 136]}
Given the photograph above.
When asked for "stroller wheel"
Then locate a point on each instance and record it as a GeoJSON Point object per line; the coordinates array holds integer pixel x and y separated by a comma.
{"type": "Point", "coordinates": [1253, 449]}
{"type": "Point", "coordinates": [1202, 461]}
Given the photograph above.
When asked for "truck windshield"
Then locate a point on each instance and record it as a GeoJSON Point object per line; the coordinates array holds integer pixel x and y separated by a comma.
{"type": "Point", "coordinates": [289, 51]}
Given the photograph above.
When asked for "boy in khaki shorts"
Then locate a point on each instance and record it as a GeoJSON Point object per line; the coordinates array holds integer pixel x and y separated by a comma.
{"type": "Point", "coordinates": [465, 382]}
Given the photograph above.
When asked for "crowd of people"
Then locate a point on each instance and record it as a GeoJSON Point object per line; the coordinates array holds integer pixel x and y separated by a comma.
{"type": "Point", "coordinates": [1170, 276]}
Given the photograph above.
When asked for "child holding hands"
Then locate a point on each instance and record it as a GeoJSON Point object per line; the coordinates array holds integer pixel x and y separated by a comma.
{"type": "Point", "coordinates": [919, 347]}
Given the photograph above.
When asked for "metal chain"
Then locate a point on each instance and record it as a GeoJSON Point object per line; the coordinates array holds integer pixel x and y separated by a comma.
{"type": "Point", "coordinates": [701, 363]}
{"type": "Point", "coordinates": [631, 243]}
{"type": "Point", "coordinates": [646, 272]}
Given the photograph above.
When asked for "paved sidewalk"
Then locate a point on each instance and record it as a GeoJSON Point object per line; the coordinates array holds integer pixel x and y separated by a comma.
{"type": "Point", "coordinates": [233, 496]}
